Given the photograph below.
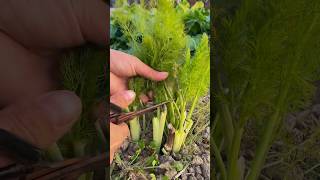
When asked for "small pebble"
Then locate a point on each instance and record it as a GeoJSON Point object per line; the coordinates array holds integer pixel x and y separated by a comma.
{"type": "Point", "coordinates": [171, 173]}
{"type": "Point", "coordinates": [206, 158]}
{"type": "Point", "coordinates": [184, 151]}
{"type": "Point", "coordinates": [196, 148]}
{"type": "Point", "coordinates": [199, 177]}
{"type": "Point", "coordinates": [191, 170]}
{"type": "Point", "coordinates": [166, 165]}
{"type": "Point", "coordinates": [197, 160]}
{"type": "Point", "coordinates": [165, 158]}
{"type": "Point", "coordinates": [205, 171]}
{"type": "Point", "coordinates": [184, 177]}
{"type": "Point", "coordinates": [192, 178]}
{"type": "Point", "coordinates": [206, 146]}
{"type": "Point", "coordinates": [198, 170]}
{"type": "Point", "coordinates": [206, 135]}
{"type": "Point", "coordinates": [316, 109]}
{"type": "Point", "coordinates": [176, 156]}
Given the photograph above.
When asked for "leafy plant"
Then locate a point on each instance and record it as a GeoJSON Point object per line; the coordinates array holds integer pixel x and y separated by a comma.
{"type": "Point", "coordinates": [82, 73]}
{"type": "Point", "coordinates": [196, 18]}
{"type": "Point", "coordinates": [267, 61]}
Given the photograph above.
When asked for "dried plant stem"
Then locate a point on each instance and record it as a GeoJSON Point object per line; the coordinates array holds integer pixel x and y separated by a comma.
{"type": "Point", "coordinates": [170, 138]}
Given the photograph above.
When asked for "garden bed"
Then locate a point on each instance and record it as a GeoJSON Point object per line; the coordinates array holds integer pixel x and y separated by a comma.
{"type": "Point", "coordinates": [193, 162]}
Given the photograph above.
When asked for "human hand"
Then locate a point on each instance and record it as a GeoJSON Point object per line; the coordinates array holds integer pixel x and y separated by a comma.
{"type": "Point", "coordinates": [122, 67]}
{"type": "Point", "coordinates": [32, 37]}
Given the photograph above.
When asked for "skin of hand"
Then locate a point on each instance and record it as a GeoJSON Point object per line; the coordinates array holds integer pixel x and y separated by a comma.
{"type": "Point", "coordinates": [32, 37]}
{"type": "Point", "coordinates": [122, 67]}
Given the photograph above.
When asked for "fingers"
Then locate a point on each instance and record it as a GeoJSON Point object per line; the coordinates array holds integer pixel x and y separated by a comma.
{"type": "Point", "coordinates": [55, 23]}
{"type": "Point", "coordinates": [147, 72]}
{"type": "Point", "coordinates": [92, 16]}
{"type": "Point", "coordinates": [123, 98]}
{"type": "Point", "coordinates": [125, 65]}
{"type": "Point", "coordinates": [22, 73]}
{"type": "Point", "coordinates": [43, 120]}
{"type": "Point", "coordinates": [117, 84]}
{"type": "Point", "coordinates": [118, 133]}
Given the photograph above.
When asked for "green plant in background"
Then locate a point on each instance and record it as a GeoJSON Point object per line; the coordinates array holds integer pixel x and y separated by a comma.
{"type": "Point", "coordinates": [156, 35]}
{"type": "Point", "coordinates": [268, 59]}
{"type": "Point", "coordinates": [196, 21]}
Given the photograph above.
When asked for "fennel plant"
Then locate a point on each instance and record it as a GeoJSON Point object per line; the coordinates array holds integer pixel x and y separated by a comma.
{"type": "Point", "coordinates": [156, 35]}
{"type": "Point", "coordinates": [267, 61]}
{"type": "Point", "coordinates": [82, 73]}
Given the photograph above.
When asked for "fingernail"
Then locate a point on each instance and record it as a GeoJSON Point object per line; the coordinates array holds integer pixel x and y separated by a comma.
{"type": "Point", "coordinates": [61, 107]}
{"type": "Point", "coordinates": [164, 74]}
{"type": "Point", "coordinates": [129, 95]}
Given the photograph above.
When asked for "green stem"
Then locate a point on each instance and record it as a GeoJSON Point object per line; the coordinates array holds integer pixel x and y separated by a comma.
{"type": "Point", "coordinates": [54, 153]}
{"type": "Point", "coordinates": [135, 129]}
{"type": "Point", "coordinates": [158, 127]}
{"type": "Point", "coordinates": [181, 135]}
{"type": "Point", "coordinates": [219, 161]}
{"type": "Point", "coordinates": [227, 125]}
{"type": "Point", "coordinates": [265, 143]}
{"type": "Point", "coordinates": [263, 147]}
{"type": "Point", "coordinates": [271, 126]}
{"type": "Point", "coordinates": [178, 138]}
{"type": "Point", "coordinates": [233, 169]}
{"type": "Point", "coordinates": [79, 148]}
{"type": "Point", "coordinates": [185, 123]}
{"type": "Point", "coordinates": [100, 133]}
{"type": "Point", "coordinates": [171, 98]}
{"type": "Point", "coordinates": [194, 103]}
{"type": "Point", "coordinates": [183, 114]}
{"type": "Point", "coordinates": [144, 125]}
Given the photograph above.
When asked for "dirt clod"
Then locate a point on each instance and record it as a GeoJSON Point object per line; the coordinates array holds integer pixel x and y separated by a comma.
{"type": "Point", "coordinates": [205, 171]}
{"type": "Point", "coordinates": [184, 177]}
{"type": "Point", "coordinates": [198, 170]}
{"type": "Point", "coordinates": [197, 160]}
{"type": "Point", "coordinates": [165, 158]}
{"type": "Point", "coordinates": [192, 178]}
{"type": "Point", "coordinates": [171, 173]}
{"type": "Point", "coordinates": [176, 156]}
{"type": "Point", "coordinates": [199, 177]}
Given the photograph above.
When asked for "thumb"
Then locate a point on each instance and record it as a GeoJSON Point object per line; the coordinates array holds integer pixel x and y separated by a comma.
{"type": "Point", "coordinates": [123, 98]}
{"type": "Point", "coordinates": [43, 120]}
{"type": "Point", "coordinates": [118, 133]}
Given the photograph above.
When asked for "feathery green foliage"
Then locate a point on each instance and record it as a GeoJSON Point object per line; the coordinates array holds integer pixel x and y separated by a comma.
{"type": "Point", "coordinates": [161, 48]}
{"type": "Point", "coordinates": [268, 59]}
{"type": "Point", "coordinates": [82, 72]}
{"type": "Point", "coordinates": [195, 71]}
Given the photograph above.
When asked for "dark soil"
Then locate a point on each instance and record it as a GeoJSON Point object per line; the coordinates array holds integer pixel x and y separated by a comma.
{"type": "Point", "coordinates": [295, 154]}
{"type": "Point", "coordinates": [192, 162]}
{"type": "Point", "coordinates": [195, 159]}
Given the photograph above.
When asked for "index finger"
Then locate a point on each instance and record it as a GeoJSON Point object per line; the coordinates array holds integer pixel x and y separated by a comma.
{"type": "Point", "coordinates": [126, 65]}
